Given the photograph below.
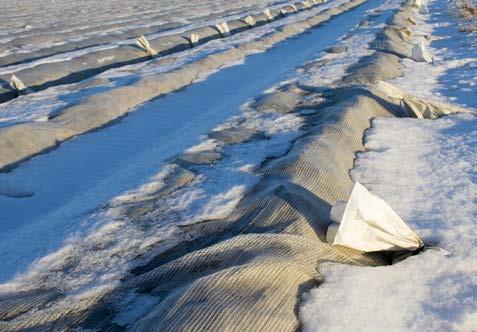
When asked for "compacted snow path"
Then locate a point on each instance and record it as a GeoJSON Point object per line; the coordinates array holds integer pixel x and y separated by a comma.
{"type": "Point", "coordinates": [50, 198]}
{"type": "Point", "coordinates": [426, 170]}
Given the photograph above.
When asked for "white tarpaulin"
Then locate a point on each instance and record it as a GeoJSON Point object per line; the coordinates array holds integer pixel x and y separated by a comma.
{"type": "Point", "coordinates": [419, 53]}
{"type": "Point", "coordinates": [370, 224]}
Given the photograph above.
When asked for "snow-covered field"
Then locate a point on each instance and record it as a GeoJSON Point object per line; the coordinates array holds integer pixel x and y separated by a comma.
{"type": "Point", "coordinates": [119, 158]}
{"type": "Point", "coordinates": [33, 25]}
{"type": "Point", "coordinates": [426, 170]}
{"type": "Point", "coordinates": [64, 214]}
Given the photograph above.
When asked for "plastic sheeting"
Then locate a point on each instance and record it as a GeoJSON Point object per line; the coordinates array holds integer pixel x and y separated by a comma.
{"type": "Point", "coordinates": [419, 53]}
{"type": "Point", "coordinates": [18, 85]}
{"type": "Point", "coordinates": [223, 28]}
{"type": "Point", "coordinates": [268, 15]}
{"type": "Point", "coordinates": [369, 224]}
{"type": "Point", "coordinates": [419, 108]}
{"type": "Point", "coordinates": [250, 21]}
{"type": "Point", "coordinates": [143, 43]}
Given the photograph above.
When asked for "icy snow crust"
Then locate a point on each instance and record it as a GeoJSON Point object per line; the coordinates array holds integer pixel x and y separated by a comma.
{"type": "Point", "coordinates": [426, 170]}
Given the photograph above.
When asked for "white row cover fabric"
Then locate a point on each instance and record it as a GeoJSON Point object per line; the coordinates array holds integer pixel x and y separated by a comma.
{"type": "Point", "coordinates": [268, 15]}
{"type": "Point", "coordinates": [193, 39]}
{"type": "Point", "coordinates": [370, 224]}
{"type": "Point", "coordinates": [17, 84]}
{"type": "Point", "coordinates": [419, 53]}
{"type": "Point", "coordinates": [143, 43]}
{"type": "Point", "coordinates": [223, 28]}
{"type": "Point", "coordinates": [250, 21]}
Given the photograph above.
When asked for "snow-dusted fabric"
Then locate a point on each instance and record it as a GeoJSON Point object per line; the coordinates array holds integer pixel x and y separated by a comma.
{"type": "Point", "coordinates": [78, 68]}
{"type": "Point", "coordinates": [247, 272]}
{"type": "Point", "coordinates": [370, 224]}
{"type": "Point", "coordinates": [252, 281]}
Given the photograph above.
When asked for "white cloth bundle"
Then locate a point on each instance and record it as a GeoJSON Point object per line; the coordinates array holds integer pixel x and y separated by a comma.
{"type": "Point", "coordinates": [143, 43]}
{"type": "Point", "coordinates": [420, 4]}
{"type": "Point", "coordinates": [17, 84]}
{"type": "Point", "coordinates": [268, 15]}
{"type": "Point", "coordinates": [420, 108]}
{"type": "Point", "coordinates": [193, 39]}
{"type": "Point", "coordinates": [223, 28]}
{"type": "Point", "coordinates": [250, 21]}
{"type": "Point", "coordinates": [419, 53]}
{"type": "Point", "coordinates": [368, 224]}
{"type": "Point", "coordinates": [306, 4]}
{"type": "Point", "coordinates": [408, 31]}
{"type": "Point", "coordinates": [293, 8]}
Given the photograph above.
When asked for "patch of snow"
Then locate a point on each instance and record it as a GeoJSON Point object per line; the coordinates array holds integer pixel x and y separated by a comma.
{"type": "Point", "coordinates": [435, 194]}
{"type": "Point", "coordinates": [453, 75]}
{"type": "Point", "coordinates": [425, 169]}
{"type": "Point", "coordinates": [79, 265]}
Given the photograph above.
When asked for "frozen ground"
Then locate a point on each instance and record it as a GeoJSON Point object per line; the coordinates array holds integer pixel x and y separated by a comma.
{"type": "Point", "coordinates": [426, 170]}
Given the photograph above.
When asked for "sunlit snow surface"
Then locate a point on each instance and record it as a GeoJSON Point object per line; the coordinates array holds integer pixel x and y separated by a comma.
{"type": "Point", "coordinates": [426, 170]}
